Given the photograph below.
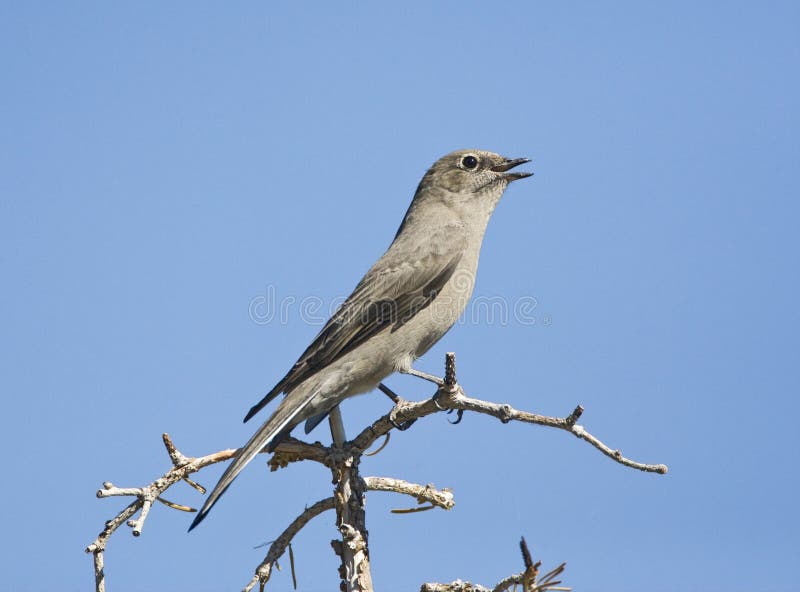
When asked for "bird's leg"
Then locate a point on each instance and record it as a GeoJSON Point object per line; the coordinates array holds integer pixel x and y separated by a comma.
{"type": "Point", "coordinates": [396, 399]}
{"type": "Point", "coordinates": [423, 375]}
{"type": "Point", "coordinates": [389, 393]}
{"type": "Point", "coordinates": [337, 426]}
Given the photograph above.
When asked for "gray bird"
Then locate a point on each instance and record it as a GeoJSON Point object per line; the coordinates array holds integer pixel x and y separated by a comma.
{"type": "Point", "coordinates": [404, 304]}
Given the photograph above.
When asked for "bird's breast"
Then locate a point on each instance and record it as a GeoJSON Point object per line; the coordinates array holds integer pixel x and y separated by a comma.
{"type": "Point", "coordinates": [431, 323]}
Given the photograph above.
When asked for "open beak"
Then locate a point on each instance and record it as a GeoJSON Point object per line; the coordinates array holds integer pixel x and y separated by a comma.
{"type": "Point", "coordinates": [510, 163]}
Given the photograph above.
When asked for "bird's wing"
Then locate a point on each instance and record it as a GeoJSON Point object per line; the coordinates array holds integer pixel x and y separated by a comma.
{"type": "Point", "coordinates": [390, 294]}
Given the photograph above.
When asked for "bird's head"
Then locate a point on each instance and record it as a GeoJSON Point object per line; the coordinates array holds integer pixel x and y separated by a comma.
{"type": "Point", "coordinates": [473, 172]}
{"type": "Point", "coordinates": [464, 183]}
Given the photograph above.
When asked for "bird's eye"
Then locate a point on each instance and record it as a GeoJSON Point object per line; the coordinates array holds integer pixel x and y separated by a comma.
{"type": "Point", "coordinates": [469, 162]}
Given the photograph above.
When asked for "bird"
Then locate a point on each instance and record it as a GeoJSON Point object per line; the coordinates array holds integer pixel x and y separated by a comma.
{"type": "Point", "coordinates": [402, 306]}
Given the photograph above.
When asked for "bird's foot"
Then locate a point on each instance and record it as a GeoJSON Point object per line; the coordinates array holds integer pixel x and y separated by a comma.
{"type": "Point", "coordinates": [397, 400]}
{"type": "Point", "coordinates": [402, 427]}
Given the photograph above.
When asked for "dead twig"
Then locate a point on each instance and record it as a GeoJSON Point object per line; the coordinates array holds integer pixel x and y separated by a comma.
{"type": "Point", "coordinates": [343, 459]}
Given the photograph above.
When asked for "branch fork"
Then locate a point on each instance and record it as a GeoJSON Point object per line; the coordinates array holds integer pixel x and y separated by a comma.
{"type": "Point", "coordinates": [529, 579]}
{"type": "Point", "coordinates": [343, 458]}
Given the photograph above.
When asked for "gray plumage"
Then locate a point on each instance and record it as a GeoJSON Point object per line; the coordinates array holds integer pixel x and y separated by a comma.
{"type": "Point", "coordinates": [404, 304]}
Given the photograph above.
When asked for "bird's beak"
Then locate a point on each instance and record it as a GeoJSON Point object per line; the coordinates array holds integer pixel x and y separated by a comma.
{"type": "Point", "coordinates": [510, 163]}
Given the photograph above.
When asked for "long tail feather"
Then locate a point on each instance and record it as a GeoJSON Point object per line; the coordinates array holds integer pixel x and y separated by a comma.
{"type": "Point", "coordinates": [282, 419]}
{"type": "Point", "coordinates": [263, 402]}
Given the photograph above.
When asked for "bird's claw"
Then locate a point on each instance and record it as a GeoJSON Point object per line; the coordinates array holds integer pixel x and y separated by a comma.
{"type": "Point", "coordinates": [459, 415]}
{"type": "Point", "coordinates": [402, 427]}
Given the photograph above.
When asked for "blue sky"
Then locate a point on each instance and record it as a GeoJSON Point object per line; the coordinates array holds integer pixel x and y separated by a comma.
{"type": "Point", "coordinates": [164, 167]}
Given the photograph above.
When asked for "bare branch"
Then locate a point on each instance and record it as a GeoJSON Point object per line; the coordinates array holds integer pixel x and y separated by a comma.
{"type": "Point", "coordinates": [343, 459]}
{"type": "Point", "coordinates": [99, 571]}
{"type": "Point", "coordinates": [349, 502]}
{"type": "Point", "coordinates": [531, 569]}
{"type": "Point", "coordinates": [453, 397]}
{"type": "Point", "coordinates": [278, 546]}
{"type": "Point", "coordinates": [422, 493]}
{"type": "Point", "coordinates": [455, 586]}
{"type": "Point", "coordinates": [506, 583]}
{"type": "Point", "coordinates": [145, 496]}
{"type": "Point", "coordinates": [99, 543]}
{"type": "Point", "coordinates": [528, 579]}
{"type": "Point", "coordinates": [293, 450]}
{"type": "Point", "coordinates": [381, 447]}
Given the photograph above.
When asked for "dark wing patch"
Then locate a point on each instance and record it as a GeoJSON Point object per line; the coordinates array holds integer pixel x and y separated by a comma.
{"type": "Point", "coordinates": [313, 422]}
{"type": "Point", "coordinates": [368, 311]}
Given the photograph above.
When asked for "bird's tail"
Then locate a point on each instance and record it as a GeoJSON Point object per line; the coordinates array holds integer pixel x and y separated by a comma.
{"type": "Point", "coordinates": [285, 417]}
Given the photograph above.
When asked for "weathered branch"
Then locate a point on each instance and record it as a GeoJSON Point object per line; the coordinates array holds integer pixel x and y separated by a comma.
{"type": "Point", "coordinates": [351, 518]}
{"type": "Point", "coordinates": [451, 396]}
{"type": "Point", "coordinates": [279, 545]}
{"type": "Point", "coordinates": [422, 493]}
{"type": "Point", "coordinates": [343, 459]}
{"type": "Point", "coordinates": [183, 466]}
{"type": "Point", "coordinates": [528, 579]}
{"type": "Point", "coordinates": [294, 450]}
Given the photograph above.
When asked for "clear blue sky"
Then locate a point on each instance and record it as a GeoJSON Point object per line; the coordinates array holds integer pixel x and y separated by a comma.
{"type": "Point", "coordinates": [164, 167]}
